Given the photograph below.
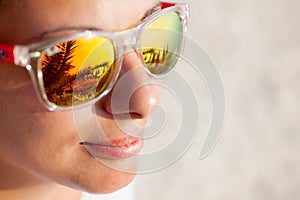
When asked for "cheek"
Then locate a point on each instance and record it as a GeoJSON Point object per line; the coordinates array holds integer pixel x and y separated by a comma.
{"type": "Point", "coordinates": [27, 136]}
{"type": "Point", "coordinates": [28, 131]}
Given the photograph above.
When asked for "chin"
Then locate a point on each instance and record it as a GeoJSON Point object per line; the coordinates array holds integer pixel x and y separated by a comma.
{"type": "Point", "coordinates": [101, 180]}
{"type": "Point", "coordinates": [108, 186]}
{"type": "Point", "coordinates": [83, 172]}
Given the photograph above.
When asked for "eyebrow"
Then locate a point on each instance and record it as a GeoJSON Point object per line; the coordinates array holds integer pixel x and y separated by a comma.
{"type": "Point", "coordinates": [150, 11]}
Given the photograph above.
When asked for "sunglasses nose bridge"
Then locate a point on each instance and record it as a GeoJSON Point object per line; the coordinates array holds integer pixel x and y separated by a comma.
{"type": "Point", "coordinates": [129, 39]}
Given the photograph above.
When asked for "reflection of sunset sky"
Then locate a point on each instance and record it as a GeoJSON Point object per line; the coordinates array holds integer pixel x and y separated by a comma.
{"type": "Point", "coordinates": [92, 52]}
{"type": "Point", "coordinates": [166, 31]}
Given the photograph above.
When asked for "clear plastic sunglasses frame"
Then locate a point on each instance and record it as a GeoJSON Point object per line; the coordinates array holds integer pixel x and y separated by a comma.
{"type": "Point", "coordinates": [28, 56]}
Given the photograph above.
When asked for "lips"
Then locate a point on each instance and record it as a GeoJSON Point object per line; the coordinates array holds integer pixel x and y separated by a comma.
{"type": "Point", "coordinates": [115, 149]}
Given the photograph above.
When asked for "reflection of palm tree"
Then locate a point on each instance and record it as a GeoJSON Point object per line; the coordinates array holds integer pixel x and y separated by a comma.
{"type": "Point", "coordinates": [56, 67]}
{"type": "Point", "coordinates": [155, 55]}
{"type": "Point", "coordinates": [159, 60]}
{"type": "Point", "coordinates": [92, 71]}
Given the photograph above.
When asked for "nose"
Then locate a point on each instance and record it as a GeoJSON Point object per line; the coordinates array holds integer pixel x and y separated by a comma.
{"type": "Point", "coordinates": [135, 94]}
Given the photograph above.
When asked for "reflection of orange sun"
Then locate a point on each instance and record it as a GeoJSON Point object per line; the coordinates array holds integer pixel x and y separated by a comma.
{"type": "Point", "coordinates": [91, 52]}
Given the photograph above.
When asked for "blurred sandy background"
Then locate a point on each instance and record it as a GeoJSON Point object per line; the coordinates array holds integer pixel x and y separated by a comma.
{"type": "Point", "coordinates": [256, 46]}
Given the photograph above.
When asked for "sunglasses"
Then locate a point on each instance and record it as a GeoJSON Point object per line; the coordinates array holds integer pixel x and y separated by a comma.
{"type": "Point", "coordinates": [79, 68]}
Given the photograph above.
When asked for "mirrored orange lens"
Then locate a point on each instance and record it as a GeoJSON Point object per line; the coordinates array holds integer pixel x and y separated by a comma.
{"type": "Point", "coordinates": [161, 43]}
{"type": "Point", "coordinates": [77, 71]}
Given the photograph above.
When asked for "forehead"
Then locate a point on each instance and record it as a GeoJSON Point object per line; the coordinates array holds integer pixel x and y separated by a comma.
{"type": "Point", "coordinates": [33, 17]}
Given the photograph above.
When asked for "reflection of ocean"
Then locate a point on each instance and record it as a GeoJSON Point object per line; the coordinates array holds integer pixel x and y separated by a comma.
{"type": "Point", "coordinates": [91, 82]}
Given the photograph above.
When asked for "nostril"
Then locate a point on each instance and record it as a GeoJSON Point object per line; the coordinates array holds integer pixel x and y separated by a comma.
{"type": "Point", "coordinates": [135, 115]}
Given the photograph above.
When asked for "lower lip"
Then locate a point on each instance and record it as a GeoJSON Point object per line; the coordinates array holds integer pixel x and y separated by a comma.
{"type": "Point", "coordinates": [115, 152]}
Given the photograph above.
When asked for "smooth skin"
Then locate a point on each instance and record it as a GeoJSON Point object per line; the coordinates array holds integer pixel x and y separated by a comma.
{"type": "Point", "coordinates": [41, 156]}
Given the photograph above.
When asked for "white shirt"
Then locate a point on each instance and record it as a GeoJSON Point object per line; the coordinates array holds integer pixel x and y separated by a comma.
{"type": "Point", "coordinates": [126, 193]}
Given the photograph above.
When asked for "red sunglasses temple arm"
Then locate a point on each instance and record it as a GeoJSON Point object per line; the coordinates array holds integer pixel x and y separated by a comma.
{"type": "Point", "coordinates": [167, 4]}
{"type": "Point", "coordinates": [7, 53]}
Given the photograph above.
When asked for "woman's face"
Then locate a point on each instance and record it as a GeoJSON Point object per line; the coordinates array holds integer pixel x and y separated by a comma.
{"type": "Point", "coordinates": [47, 144]}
